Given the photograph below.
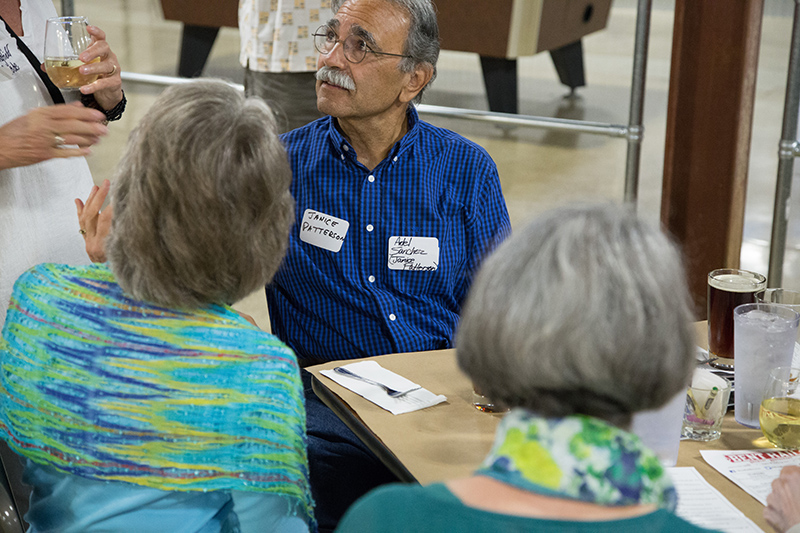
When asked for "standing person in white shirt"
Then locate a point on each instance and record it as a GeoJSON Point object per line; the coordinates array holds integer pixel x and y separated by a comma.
{"type": "Point", "coordinates": [41, 144]}
{"type": "Point", "coordinates": [278, 54]}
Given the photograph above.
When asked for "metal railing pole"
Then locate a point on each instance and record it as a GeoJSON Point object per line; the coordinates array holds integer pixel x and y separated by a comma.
{"type": "Point", "coordinates": [67, 8]}
{"type": "Point", "coordinates": [787, 151]}
{"type": "Point", "coordinates": [636, 114]}
{"type": "Point", "coordinates": [562, 124]}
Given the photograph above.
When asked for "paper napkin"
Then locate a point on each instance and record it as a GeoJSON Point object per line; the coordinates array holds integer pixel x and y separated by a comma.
{"type": "Point", "coordinates": [415, 400]}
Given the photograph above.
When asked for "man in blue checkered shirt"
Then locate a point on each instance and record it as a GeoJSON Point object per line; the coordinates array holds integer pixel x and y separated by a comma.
{"type": "Point", "coordinates": [394, 216]}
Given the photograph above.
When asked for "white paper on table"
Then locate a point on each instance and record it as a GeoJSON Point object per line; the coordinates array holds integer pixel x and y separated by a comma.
{"type": "Point", "coordinates": [412, 401]}
{"type": "Point", "coordinates": [753, 470]}
{"type": "Point", "coordinates": [704, 506]}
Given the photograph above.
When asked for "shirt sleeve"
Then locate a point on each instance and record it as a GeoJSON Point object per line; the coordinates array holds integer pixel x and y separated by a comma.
{"type": "Point", "coordinates": [489, 224]}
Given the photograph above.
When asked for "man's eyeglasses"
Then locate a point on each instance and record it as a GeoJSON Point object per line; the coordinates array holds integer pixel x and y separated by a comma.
{"type": "Point", "coordinates": [355, 47]}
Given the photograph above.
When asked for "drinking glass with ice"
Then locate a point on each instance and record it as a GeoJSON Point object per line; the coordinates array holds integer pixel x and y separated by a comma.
{"type": "Point", "coordinates": [764, 337]}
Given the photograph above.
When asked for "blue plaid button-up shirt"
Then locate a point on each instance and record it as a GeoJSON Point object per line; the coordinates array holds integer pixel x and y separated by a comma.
{"type": "Point", "coordinates": [348, 303]}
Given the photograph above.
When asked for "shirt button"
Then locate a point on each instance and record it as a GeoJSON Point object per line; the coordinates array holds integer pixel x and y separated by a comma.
{"type": "Point", "coordinates": [371, 179]}
{"type": "Point", "coordinates": [345, 148]}
{"type": "Point", "coordinates": [370, 227]}
{"type": "Point", "coordinates": [342, 157]}
{"type": "Point", "coordinates": [392, 317]}
{"type": "Point", "coordinates": [395, 159]}
{"type": "Point", "coordinates": [371, 279]}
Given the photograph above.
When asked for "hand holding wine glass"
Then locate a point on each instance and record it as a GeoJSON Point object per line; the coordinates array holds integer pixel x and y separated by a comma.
{"type": "Point", "coordinates": [81, 58]}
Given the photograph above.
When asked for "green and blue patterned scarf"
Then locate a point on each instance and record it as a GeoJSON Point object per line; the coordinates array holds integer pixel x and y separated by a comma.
{"type": "Point", "coordinates": [101, 386]}
{"type": "Point", "coordinates": [577, 457]}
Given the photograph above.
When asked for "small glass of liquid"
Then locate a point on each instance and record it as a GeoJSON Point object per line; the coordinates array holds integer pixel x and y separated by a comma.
{"type": "Point", "coordinates": [481, 402]}
{"type": "Point", "coordinates": [780, 409]}
{"type": "Point", "coordinates": [65, 39]}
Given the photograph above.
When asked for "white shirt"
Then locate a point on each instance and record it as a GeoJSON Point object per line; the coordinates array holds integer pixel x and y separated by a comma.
{"type": "Point", "coordinates": [38, 221]}
{"type": "Point", "coordinates": [276, 34]}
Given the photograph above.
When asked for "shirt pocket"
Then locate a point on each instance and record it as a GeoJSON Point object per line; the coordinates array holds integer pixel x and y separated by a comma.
{"type": "Point", "coordinates": [428, 284]}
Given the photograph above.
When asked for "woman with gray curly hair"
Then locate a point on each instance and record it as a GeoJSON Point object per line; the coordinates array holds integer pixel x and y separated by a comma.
{"type": "Point", "coordinates": [575, 323]}
{"type": "Point", "coordinates": [138, 398]}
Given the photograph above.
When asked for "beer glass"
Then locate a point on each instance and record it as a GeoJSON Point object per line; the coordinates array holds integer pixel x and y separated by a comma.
{"type": "Point", "coordinates": [727, 289]}
{"type": "Point", "coordinates": [64, 40]}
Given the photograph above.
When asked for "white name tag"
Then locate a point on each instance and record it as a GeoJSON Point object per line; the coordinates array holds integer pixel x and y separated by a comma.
{"type": "Point", "coordinates": [323, 231]}
{"type": "Point", "coordinates": [413, 253]}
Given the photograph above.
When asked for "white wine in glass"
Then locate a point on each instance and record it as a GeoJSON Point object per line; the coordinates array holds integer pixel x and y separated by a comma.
{"type": "Point", "coordinates": [65, 39]}
{"type": "Point", "coordinates": [780, 408]}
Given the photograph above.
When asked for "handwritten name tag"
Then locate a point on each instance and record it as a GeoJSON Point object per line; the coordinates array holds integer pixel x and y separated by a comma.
{"type": "Point", "coordinates": [323, 231]}
{"type": "Point", "coordinates": [413, 253]}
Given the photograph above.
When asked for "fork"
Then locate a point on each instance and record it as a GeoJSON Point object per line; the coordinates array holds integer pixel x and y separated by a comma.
{"type": "Point", "coordinates": [390, 391]}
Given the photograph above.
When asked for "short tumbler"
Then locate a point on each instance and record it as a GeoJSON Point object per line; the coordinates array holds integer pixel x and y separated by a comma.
{"type": "Point", "coordinates": [706, 405]}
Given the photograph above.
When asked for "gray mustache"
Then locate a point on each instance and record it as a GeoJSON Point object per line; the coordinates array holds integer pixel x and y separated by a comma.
{"type": "Point", "coordinates": [336, 77]}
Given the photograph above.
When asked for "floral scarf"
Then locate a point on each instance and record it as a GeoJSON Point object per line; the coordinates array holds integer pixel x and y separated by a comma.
{"type": "Point", "coordinates": [101, 386]}
{"type": "Point", "coordinates": [577, 457]}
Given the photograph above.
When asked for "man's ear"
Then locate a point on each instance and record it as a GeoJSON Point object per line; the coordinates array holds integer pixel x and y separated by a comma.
{"type": "Point", "coordinates": [417, 80]}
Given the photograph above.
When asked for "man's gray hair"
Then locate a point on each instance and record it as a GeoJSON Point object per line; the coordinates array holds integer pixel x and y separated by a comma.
{"type": "Point", "coordinates": [202, 208]}
{"type": "Point", "coordinates": [584, 311]}
{"type": "Point", "coordinates": [422, 43]}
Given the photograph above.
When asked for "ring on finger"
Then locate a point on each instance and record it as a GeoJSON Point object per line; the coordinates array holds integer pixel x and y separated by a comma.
{"type": "Point", "coordinates": [113, 70]}
{"type": "Point", "coordinates": [59, 141]}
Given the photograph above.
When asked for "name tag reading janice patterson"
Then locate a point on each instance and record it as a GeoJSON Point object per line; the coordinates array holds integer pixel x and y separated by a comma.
{"type": "Point", "coordinates": [323, 231]}
{"type": "Point", "coordinates": [413, 253]}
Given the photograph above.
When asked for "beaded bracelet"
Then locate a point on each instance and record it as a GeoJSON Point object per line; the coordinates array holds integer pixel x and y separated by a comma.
{"type": "Point", "coordinates": [115, 113]}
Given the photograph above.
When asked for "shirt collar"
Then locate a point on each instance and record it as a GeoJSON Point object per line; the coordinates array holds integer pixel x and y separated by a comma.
{"type": "Point", "coordinates": [344, 150]}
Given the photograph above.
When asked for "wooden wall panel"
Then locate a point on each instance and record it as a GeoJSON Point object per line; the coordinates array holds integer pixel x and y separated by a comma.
{"type": "Point", "coordinates": [213, 13]}
{"type": "Point", "coordinates": [709, 121]}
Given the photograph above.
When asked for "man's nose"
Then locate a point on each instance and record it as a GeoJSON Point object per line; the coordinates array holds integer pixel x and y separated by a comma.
{"type": "Point", "coordinates": [335, 57]}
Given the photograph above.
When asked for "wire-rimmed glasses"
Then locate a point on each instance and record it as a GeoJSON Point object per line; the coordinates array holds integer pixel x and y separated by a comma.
{"type": "Point", "coordinates": [355, 47]}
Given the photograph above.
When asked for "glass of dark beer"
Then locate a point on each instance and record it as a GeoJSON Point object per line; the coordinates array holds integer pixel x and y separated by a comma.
{"type": "Point", "coordinates": [727, 289]}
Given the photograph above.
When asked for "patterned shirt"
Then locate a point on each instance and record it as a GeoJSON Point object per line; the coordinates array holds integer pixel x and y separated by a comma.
{"type": "Point", "coordinates": [276, 34]}
{"type": "Point", "coordinates": [380, 261]}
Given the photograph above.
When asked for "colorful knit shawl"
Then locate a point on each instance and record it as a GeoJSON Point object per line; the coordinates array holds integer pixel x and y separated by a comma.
{"type": "Point", "coordinates": [577, 457]}
{"type": "Point", "coordinates": [99, 385]}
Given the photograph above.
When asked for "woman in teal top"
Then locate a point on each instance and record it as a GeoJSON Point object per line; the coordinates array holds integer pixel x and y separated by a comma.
{"type": "Point", "coordinates": [575, 323]}
{"type": "Point", "coordinates": [138, 398]}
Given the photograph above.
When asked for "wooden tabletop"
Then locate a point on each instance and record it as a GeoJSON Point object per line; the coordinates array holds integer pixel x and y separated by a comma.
{"type": "Point", "coordinates": [450, 440]}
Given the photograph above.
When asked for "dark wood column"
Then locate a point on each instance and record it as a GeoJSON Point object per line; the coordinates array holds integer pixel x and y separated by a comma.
{"type": "Point", "coordinates": [709, 121]}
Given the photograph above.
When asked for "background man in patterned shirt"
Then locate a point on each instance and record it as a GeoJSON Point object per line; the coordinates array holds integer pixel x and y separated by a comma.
{"type": "Point", "coordinates": [394, 216]}
{"type": "Point", "coordinates": [278, 55]}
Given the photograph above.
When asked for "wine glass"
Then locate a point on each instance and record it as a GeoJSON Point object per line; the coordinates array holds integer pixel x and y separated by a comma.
{"type": "Point", "coordinates": [780, 408]}
{"type": "Point", "coordinates": [64, 39]}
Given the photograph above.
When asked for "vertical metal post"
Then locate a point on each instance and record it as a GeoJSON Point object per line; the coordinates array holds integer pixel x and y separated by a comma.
{"type": "Point", "coordinates": [67, 8]}
{"type": "Point", "coordinates": [635, 116]}
{"type": "Point", "coordinates": [787, 151]}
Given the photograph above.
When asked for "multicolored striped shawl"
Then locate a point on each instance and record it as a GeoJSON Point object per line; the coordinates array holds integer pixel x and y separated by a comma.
{"type": "Point", "coordinates": [105, 387]}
